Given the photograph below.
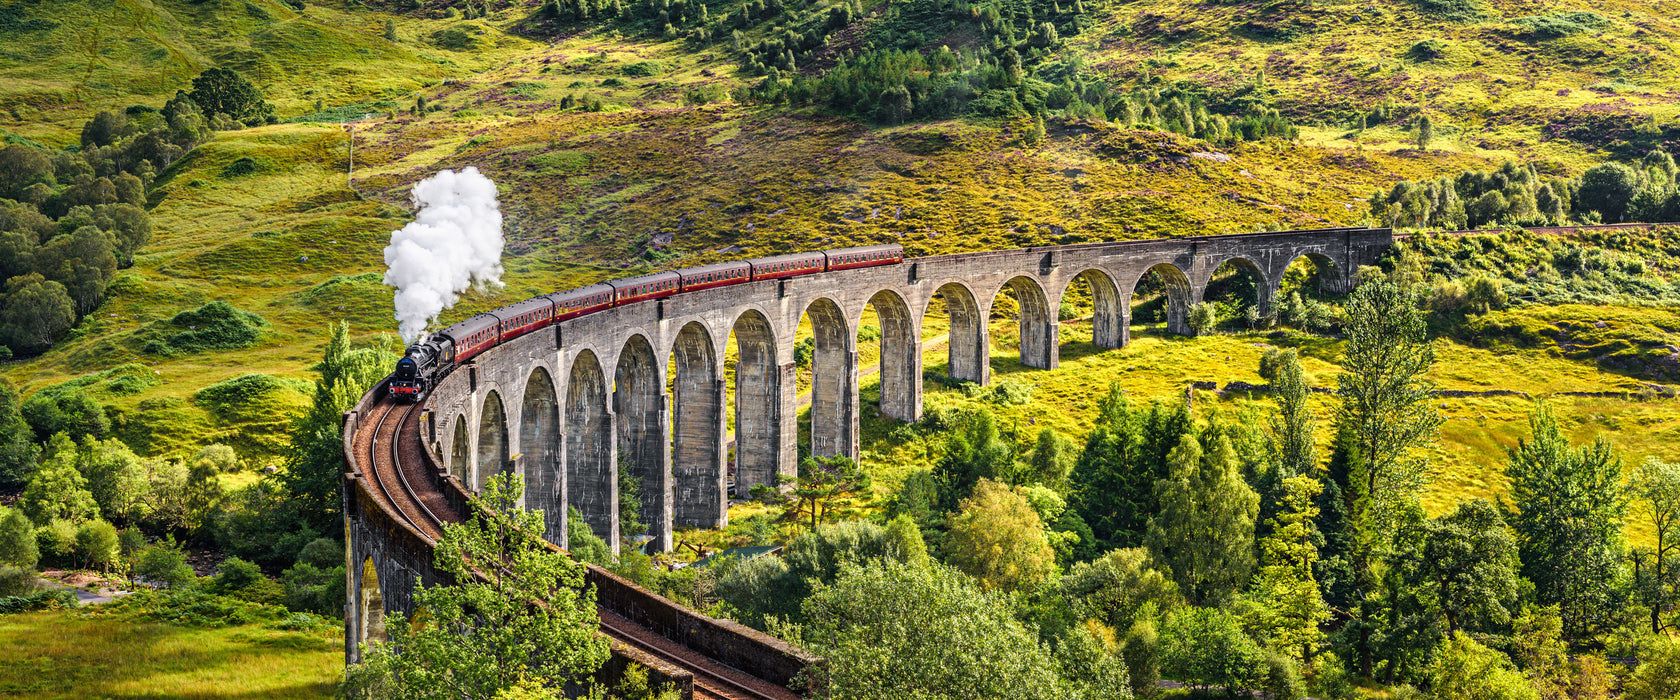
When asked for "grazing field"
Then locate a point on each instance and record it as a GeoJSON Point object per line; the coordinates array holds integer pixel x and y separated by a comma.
{"type": "Point", "coordinates": [60, 655]}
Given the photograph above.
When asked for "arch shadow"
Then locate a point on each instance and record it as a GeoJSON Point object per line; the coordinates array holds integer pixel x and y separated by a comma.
{"type": "Point", "coordinates": [492, 441]}
{"type": "Point", "coordinates": [639, 412]}
{"type": "Point", "coordinates": [591, 474]}
{"type": "Point", "coordinates": [540, 443]}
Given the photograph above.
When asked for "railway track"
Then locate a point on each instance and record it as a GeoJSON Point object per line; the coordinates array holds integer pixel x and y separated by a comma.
{"type": "Point", "coordinates": [398, 477]}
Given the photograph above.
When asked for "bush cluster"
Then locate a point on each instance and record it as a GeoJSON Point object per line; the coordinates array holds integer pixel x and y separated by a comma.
{"type": "Point", "coordinates": [1647, 191]}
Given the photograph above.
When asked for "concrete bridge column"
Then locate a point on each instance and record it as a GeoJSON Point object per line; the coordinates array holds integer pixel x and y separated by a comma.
{"type": "Point", "coordinates": [764, 434]}
{"type": "Point", "coordinates": [833, 382]}
{"type": "Point", "coordinates": [591, 452]}
{"type": "Point", "coordinates": [969, 347]}
{"type": "Point", "coordinates": [644, 442]}
{"type": "Point", "coordinates": [698, 427]}
{"type": "Point", "coordinates": [901, 359]}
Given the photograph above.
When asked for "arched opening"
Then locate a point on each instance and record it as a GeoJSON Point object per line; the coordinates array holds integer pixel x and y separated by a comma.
{"type": "Point", "coordinates": [698, 496]}
{"type": "Point", "coordinates": [591, 484]}
{"type": "Point", "coordinates": [459, 451]}
{"type": "Point", "coordinates": [1036, 328]}
{"type": "Point", "coordinates": [1161, 301]}
{"type": "Point", "coordinates": [639, 407]}
{"type": "Point", "coordinates": [492, 440]}
{"type": "Point", "coordinates": [888, 331]}
{"type": "Point", "coordinates": [757, 403]}
{"type": "Point", "coordinates": [1311, 274]}
{"type": "Point", "coordinates": [826, 358]}
{"type": "Point", "coordinates": [539, 452]}
{"type": "Point", "coordinates": [1240, 294]}
{"type": "Point", "coordinates": [373, 604]}
{"type": "Point", "coordinates": [954, 309]}
{"type": "Point", "coordinates": [1305, 290]}
{"type": "Point", "coordinates": [1090, 312]}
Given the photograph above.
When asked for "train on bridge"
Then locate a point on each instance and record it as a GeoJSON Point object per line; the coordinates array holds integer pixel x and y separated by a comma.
{"type": "Point", "coordinates": [433, 356]}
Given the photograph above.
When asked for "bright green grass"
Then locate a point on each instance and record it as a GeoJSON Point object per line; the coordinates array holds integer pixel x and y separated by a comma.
{"type": "Point", "coordinates": [58, 655]}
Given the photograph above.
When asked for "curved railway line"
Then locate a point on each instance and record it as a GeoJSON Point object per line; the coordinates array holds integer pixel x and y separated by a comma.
{"type": "Point", "coordinates": [388, 437]}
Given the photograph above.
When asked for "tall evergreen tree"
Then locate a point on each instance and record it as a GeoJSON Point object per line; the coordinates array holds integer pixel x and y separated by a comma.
{"type": "Point", "coordinates": [1387, 407]}
{"type": "Point", "coordinates": [1567, 506]}
{"type": "Point", "coordinates": [1204, 529]}
{"type": "Point", "coordinates": [1113, 482]}
{"type": "Point", "coordinates": [1285, 585]}
{"type": "Point", "coordinates": [972, 453]}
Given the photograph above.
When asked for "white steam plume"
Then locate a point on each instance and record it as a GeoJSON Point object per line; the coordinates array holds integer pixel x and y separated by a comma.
{"type": "Point", "coordinates": [455, 242]}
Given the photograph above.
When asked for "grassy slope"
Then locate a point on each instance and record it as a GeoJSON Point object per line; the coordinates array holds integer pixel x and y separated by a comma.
{"type": "Point", "coordinates": [59, 655]}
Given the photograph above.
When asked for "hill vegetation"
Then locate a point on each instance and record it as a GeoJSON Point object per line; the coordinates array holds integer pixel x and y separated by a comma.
{"type": "Point", "coordinates": [193, 192]}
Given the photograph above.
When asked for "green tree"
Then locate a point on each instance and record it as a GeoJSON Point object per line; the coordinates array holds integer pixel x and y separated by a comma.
{"type": "Point", "coordinates": [1204, 530]}
{"type": "Point", "coordinates": [1294, 450]}
{"type": "Point", "coordinates": [1607, 188]}
{"type": "Point", "coordinates": [1118, 588]}
{"type": "Point", "coordinates": [973, 452]}
{"type": "Point", "coordinates": [96, 545]}
{"type": "Point", "coordinates": [17, 446]}
{"type": "Point", "coordinates": [998, 538]}
{"type": "Point", "coordinates": [1207, 646]}
{"type": "Point", "coordinates": [1387, 413]}
{"type": "Point", "coordinates": [58, 491]}
{"type": "Point", "coordinates": [1051, 460]}
{"type": "Point", "coordinates": [1462, 566]}
{"type": "Point", "coordinates": [165, 563]}
{"type": "Point", "coordinates": [315, 455]}
{"type": "Point", "coordinates": [115, 476]}
{"type": "Point", "coordinates": [1425, 132]}
{"type": "Point", "coordinates": [1658, 675]}
{"type": "Point", "coordinates": [17, 540]}
{"type": "Point", "coordinates": [1656, 486]}
{"type": "Point", "coordinates": [483, 632]}
{"type": "Point", "coordinates": [1112, 487]}
{"type": "Point", "coordinates": [36, 311]}
{"type": "Point", "coordinates": [904, 540]}
{"type": "Point", "coordinates": [904, 631]}
{"type": "Point", "coordinates": [224, 91]}
{"type": "Point", "coordinates": [823, 479]}
{"type": "Point", "coordinates": [1465, 669]}
{"type": "Point", "coordinates": [1568, 505]}
{"type": "Point", "coordinates": [1293, 609]}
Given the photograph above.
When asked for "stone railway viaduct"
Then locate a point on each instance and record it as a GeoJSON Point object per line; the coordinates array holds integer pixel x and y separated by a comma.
{"type": "Point", "coordinates": [569, 406]}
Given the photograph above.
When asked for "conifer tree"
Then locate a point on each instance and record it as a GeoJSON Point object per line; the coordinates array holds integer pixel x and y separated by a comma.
{"type": "Point", "coordinates": [1293, 606]}
{"type": "Point", "coordinates": [315, 457]}
{"type": "Point", "coordinates": [1204, 529]}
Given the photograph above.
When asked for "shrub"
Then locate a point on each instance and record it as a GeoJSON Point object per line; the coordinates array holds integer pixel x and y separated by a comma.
{"type": "Point", "coordinates": [1204, 317]}
{"type": "Point", "coordinates": [57, 543]}
{"type": "Point", "coordinates": [39, 600]}
{"type": "Point", "coordinates": [1559, 24]}
{"type": "Point", "coordinates": [1206, 646]}
{"type": "Point", "coordinates": [215, 326]}
{"type": "Point", "coordinates": [17, 581]}
{"type": "Point", "coordinates": [323, 553]}
{"type": "Point", "coordinates": [237, 574]}
{"type": "Point", "coordinates": [233, 397]}
{"type": "Point", "coordinates": [644, 69]}
{"type": "Point", "coordinates": [1466, 669]}
{"type": "Point", "coordinates": [165, 563]}
{"type": "Point", "coordinates": [315, 590]}
{"type": "Point", "coordinates": [244, 165]}
{"type": "Point", "coordinates": [17, 540]}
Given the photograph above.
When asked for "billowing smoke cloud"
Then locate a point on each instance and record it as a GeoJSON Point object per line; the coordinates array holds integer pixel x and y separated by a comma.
{"type": "Point", "coordinates": [455, 242]}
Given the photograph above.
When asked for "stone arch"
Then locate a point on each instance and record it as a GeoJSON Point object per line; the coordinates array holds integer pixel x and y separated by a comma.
{"type": "Point", "coordinates": [833, 381]}
{"type": "Point", "coordinates": [1262, 285]}
{"type": "Point", "coordinates": [698, 497]}
{"type": "Point", "coordinates": [1177, 293]}
{"type": "Point", "coordinates": [591, 452]}
{"type": "Point", "coordinates": [460, 451]}
{"type": "Point", "coordinates": [758, 403]}
{"type": "Point", "coordinates": [540, 449]}
{"type": "Point", "coordinates": [1108, 320]}
{"type": "Point", "coordinates": [1039, 329]}
{"type": "Point", "coordinates": [968, 350]}
{"type": "Point", "coordinates": [1331, 277]}
{"type": "Point", "coordinates": [372, 604]}
{"type": "Point", "coordinates": [901, 358]}
{"type": "Point", "coordinates": [639, 410]}
{"type": "Point", "coordinates": [492, 440]}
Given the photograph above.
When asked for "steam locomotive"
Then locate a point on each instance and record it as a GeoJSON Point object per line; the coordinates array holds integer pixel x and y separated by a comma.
{"type": "Point", "coordinates": [428, 360]}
